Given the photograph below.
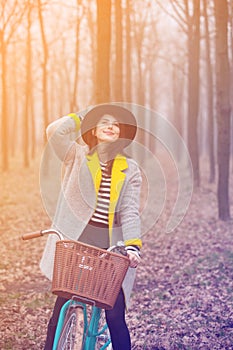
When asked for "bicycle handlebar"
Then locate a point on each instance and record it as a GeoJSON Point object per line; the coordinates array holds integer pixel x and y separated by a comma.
{"type": "Point", "coordinates": [32, 235]}
{"type": "Point", "coordinates": [41, 233]}
{"type": "Point", "coordinates": [119, 248]}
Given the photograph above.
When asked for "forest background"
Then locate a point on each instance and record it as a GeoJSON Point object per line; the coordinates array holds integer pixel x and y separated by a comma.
{"type": "Point", "coordinates": [172, 59]}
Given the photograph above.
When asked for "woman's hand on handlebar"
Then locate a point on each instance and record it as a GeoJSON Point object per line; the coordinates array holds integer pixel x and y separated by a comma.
{"type": "Point", "coordinates": [134, 258]}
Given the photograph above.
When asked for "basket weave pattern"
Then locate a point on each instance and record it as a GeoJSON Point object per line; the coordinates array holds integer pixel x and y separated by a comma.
{"type": "Point", "coordinates": [88, 272]}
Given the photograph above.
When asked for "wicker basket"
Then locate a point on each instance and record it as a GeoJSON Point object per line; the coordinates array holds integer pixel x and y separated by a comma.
{"type": "Point", "coordinates": [88, 272]}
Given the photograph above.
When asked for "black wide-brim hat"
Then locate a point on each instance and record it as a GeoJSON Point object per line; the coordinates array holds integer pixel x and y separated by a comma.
{"type": "Point", "coordinates": [126, 119]}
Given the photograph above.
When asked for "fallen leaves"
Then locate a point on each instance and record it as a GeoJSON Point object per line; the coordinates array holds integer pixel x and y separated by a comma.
{"type": "Point", "coordinates": [183, 296]}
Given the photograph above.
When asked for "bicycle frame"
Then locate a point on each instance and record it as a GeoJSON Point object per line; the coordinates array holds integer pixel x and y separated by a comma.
{"type": "Point", "coordinates": [90, 329]}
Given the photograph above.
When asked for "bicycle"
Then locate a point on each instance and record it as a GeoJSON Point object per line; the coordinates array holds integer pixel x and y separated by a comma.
{"type": "Point", "coordinates": [90, 278]}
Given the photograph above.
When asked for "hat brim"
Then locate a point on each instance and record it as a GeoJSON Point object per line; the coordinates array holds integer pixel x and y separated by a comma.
{"type": "Point", "coordinates": [122, 115]}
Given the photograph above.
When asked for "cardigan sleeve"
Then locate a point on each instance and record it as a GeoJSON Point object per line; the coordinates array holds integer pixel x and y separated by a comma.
{"type": "Point", "coordinates": [129, 211]}
{"type": "Point", "coordinates": [61, 135]}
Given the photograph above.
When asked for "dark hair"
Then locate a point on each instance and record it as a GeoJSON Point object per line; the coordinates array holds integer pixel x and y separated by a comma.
{"type": "Point", "coordinates": [91, 140]}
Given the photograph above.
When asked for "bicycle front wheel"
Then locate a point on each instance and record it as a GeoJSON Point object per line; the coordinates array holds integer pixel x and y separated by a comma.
{"type": "Point", "coordinates": [71, 337]}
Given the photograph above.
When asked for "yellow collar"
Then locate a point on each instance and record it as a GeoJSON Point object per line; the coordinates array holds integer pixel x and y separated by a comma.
{"type": "Point", "coordinates": [119, 164]}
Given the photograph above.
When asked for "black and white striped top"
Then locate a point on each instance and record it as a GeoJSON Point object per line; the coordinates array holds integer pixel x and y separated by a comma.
{"type": "Point", "coordinates": [100, 216]}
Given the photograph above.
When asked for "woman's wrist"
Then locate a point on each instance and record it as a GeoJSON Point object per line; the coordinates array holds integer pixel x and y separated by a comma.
{"type": "Point", "coordinates": [133, 249]}
{"type": "Point", "coordinates": [77, 120]}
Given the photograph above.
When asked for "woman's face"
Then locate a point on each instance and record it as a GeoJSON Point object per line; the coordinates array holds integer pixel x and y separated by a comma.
{"type": "Point", "coordinates": [107, 129]}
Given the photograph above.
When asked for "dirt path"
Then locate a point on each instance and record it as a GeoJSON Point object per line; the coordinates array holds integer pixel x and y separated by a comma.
{"type": "Point", "coordinates": [183, 296]}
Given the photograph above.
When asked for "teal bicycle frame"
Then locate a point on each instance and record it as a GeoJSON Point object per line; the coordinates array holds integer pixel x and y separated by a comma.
{"type": "Point", "coordinates": [90, 330]}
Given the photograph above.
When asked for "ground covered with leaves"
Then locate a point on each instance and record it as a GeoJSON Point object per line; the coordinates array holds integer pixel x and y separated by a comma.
{"type": "Point", "coordinates": [183, 296]}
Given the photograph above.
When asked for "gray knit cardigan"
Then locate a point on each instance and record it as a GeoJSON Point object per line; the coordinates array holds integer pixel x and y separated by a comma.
{"type": "Point", "coordinates": [77, 199]}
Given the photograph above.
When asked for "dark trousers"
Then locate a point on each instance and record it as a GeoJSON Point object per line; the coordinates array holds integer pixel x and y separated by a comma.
{"type": "Point", "coordinates": [115, 319]}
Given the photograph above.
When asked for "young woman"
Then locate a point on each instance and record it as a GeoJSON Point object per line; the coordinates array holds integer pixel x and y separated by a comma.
{"type": "Point", "coordinates": [99, 200]}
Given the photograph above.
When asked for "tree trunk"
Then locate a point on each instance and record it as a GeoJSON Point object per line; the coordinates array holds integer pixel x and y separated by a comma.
{"type": "Point", "coordinates": [74, 104]}
{"type": "Point", "coordinates": [44, 69]}
{"type": "Point", "coordinates": [118, 81]}
{"type": "Point", "coordinates": [102, 92]}
{"type": "Point", "coordinates": [27, 93]}
{"type": "Point", "coordinates": [4, 131]}
{"type": "Point", "coordinates": [210, 109]}
{"type": "Point", "coordinates": [11, 18]}
{"type": "Point", "coordinates": [193, 86]}
{"type": "Point", "coordinates": [178, 97]}
{"type": "Point", "coordinates": [128, 85]}
{"type": "Point", "coordinates": [223, 107]}
{"type": "Point", "coordinates": [230, 7]}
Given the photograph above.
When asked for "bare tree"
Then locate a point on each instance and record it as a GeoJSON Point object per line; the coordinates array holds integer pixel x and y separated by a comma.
{"type": "Point", "coordinates": [102, 88]}
{"type": "Point", "coordinates": [187, 14]}
{"type": "Point", "coordinates": [74, 105]}
{"type": "Point", "coordinates": [118, 81]}
{"type": "Point", "coordinates": [11, 16]}
{"type": "Point", "coordinates": [223, 106]}
{"type": "Point", "coordinates": [193, 21]}
{"type": "Point", "coordinates": [178, 96]}
{"type": "Point", "coordinates": [28, 84]}
{"type": "Point", "coordinates": [128, 85]}
{"type": "Point", "coordinates": [230, 7]}
{"type": "Point", "coordinates": [210, 95]}
{"type": "Point", "coordinates": [44, 67]}
{"type": "Point", "coordinates": [139, 28]}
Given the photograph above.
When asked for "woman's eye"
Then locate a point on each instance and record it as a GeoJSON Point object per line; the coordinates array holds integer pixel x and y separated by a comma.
{"type": "Point", "coordinates": [102, 123]}
{"type": "Point", "coordinates": [106, 123]}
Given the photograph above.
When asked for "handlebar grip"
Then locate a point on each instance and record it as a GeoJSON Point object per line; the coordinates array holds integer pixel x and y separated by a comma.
{"type": "Point", "coordinates": [32, 235]}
